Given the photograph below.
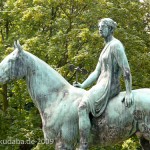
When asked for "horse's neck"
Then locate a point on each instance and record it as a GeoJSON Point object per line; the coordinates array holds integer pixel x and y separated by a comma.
{"type": "Point", "coordinates": [43, 81]}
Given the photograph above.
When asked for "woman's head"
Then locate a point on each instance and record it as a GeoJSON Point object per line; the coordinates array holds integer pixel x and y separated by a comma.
{"type": "Point", "coordinates": [107, 26]}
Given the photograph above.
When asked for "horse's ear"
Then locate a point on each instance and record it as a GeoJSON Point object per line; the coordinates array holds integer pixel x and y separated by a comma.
{"type": "Point", "coordinates": [18, 46]}
{"type": "Point", "coordinates": [15, 44]}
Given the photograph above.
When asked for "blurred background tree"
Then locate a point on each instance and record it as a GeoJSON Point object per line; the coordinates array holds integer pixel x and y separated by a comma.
{"type": "Point", "coordinates": [61, 33]}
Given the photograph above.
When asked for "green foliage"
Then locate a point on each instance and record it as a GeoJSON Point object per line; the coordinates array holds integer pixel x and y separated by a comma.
{"type": "Point", "coordinates": [62, 33]}
{"type": "Point", "coordinates": [131, 144]}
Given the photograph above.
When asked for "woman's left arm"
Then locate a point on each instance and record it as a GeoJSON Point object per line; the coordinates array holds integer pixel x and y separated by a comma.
{"type": "Point", "coordinates": [121, 58]}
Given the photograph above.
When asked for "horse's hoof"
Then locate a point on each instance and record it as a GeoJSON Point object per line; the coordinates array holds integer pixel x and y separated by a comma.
{"type": "Point", "coordinates": [83, 148]}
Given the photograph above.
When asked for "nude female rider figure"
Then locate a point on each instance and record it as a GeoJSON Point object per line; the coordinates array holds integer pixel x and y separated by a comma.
{"type": "Point", "coordinates": [111, 63]}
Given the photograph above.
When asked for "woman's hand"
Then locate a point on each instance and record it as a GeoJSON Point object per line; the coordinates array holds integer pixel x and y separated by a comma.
{"type": "Point", "coordinates": [77, 84]}
{"type": "Point", "coordinates": [128, 99]}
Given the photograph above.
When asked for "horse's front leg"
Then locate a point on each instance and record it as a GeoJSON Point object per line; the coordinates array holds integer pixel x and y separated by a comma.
{"type": "Point", "coordinates": [84, 125]}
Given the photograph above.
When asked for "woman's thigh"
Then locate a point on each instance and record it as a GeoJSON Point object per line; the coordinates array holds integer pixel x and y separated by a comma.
{"type": "Point", "coordinates": [94, 94]}
{"type": "Point", "coordinates": [97, 91]}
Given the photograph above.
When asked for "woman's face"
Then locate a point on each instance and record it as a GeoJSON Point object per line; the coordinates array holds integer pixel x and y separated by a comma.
{"type": "Point", "coordinates": [104, 29]}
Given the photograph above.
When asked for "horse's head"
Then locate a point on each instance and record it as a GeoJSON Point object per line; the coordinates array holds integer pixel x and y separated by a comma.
{"type": "Point", "coordinates": [12, 67]}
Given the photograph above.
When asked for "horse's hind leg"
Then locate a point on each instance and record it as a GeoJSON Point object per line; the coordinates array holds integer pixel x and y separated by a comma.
{"type": "Point", "coordinates": [63, 146]}
{"type": "Point", "coordinates": [145, 143]}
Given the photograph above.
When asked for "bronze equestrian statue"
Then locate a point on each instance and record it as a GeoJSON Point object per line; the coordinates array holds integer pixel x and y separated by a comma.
{"type": "Point", "coordinates": [65, 109]}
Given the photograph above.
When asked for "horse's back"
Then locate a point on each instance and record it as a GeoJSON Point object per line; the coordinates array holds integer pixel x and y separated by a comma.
{"type": "Point", "coordinates": [140, 97]}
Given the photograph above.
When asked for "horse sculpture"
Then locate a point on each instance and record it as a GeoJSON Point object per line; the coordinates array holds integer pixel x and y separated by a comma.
{"type": "Point", "coordinates": [57, 102]}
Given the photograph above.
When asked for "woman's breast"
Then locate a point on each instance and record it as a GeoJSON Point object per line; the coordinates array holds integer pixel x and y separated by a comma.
{"type": "Point", "coordinates": [109, 67]}
{"type": "Point", "coordinates": [105, 63]}
{"type": "Point", "coordinates": [104, 77]}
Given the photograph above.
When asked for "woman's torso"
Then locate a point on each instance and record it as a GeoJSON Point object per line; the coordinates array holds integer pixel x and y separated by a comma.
{"type": "Point", "coordinates": [110, 70]}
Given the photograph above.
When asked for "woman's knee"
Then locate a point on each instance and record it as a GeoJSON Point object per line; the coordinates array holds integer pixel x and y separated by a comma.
{"type": "Point", "coordinates": [82, 106]}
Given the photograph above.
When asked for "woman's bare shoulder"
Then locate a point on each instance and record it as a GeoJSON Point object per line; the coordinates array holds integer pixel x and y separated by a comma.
{"type": "Point", "coordinates": [116, 43]}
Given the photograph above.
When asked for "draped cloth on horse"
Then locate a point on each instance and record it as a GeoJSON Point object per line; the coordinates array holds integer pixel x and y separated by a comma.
{"type": "Point", "coordinates": [112, 60]}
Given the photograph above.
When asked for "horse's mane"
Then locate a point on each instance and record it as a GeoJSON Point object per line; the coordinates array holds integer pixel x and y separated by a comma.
{"type": "Point", "coordinates": [44, 66]}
